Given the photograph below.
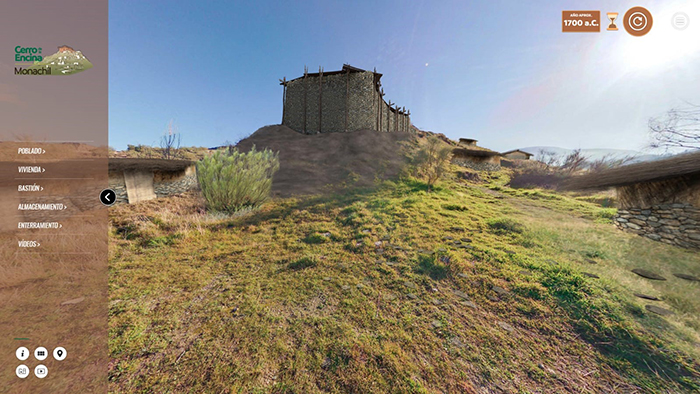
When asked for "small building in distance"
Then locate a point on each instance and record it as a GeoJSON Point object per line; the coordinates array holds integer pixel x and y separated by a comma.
{"type": "Point", "coordinates": [469, 155]}
{"type": "Point", "coordinates": [136, 179]}
{"type": "Point", "coordinates": [517, 154]}
{"type": "Point", "coordinates": [348, 99]}
{"type": "Point", "coordinates": [659, 199]}
{"type": "Point", "coordinates": [467, 142]}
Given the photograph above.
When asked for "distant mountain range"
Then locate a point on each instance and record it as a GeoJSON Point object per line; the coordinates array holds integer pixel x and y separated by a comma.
{"type": "Point", "coordinates": [596, 154]}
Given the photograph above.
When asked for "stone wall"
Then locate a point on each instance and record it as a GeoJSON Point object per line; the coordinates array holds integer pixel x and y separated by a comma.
{"type": "Point", "coordinates": [165, 183]}
{"type": "Point", "coordinates": [168, 185]}
{"type": "Point", "coordinates": [116, 183]}
{"type": "Point", "coordinates": [366, 110]}
{"type": "Point", "coordinates": [674, 224]}
{"type": "Point", "coordinates": [478, 163]}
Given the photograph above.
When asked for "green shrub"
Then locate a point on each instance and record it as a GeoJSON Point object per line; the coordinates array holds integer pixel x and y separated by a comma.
{"type": "Point", "coordinates": [232, 181]}
{"type": "Point", "coordinates": [314, 239]}
{"type": "Point", "coordinates": [455, 207]}
{"type": "Point", "coordinates": [505, 225]}
{"type": "Point", "coordinates": [606, 214]}
{"type": "Point", "coordinates": [304, 262]}
{"type": "Point", "coordinates": [432, 160]}
{"type": "Point", "coordinates": [166, 240]}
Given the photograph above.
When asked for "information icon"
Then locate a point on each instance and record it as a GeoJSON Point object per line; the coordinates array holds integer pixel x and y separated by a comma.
{"type": "Point", "coordinates": [22, 353]}
{"type": "Point", "coordinates": [59, 353]}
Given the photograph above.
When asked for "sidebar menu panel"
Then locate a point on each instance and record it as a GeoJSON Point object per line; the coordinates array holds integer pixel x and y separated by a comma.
{"type": "Point", "coordinates": [53, 226]}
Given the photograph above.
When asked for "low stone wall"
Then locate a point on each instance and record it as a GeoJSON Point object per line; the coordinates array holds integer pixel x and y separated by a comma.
{"type": "Point", "coordinates": [164, 183]}
{"type": "Point", "coordinates": [164, 189]}
{"type": "Point", "coordinates": [116, 183]}
{"type": "Point", "coordinates": [477, 165]}
{"type": "Point", "coordinates": [674, 224]}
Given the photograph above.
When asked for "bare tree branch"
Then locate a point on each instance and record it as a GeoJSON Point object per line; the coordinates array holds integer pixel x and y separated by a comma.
{"type": "Point", "coordinates": [170, 141]}
{"type": "Point", "coordinates": [677, 128]}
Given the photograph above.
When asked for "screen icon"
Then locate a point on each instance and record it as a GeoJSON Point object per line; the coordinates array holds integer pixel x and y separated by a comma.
{"type": "Point", "coordinates": [22, 353]}
{"type": "Point", "coordinates": [41, 371]}
{"type": "Point", "coordinates": [59, 353]}
{"type": "Point", "coordinates": [41, 353]}
{"type": "Point", "coordinates": [22, 371]}
{"type": "Point", "coordinates": [612, 16]}
{"type": "Point", "coordinates": [638, 21]}
{"type": "Point", "coordinates": [680, 21]}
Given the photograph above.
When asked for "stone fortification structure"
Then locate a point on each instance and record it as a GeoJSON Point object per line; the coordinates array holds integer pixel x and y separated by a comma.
{"type": "Point", "coordinates": [349, 99]}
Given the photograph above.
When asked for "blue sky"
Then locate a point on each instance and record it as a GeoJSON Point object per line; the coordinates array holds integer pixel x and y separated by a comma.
{"type": "Point", "coordinates": [498, 71]}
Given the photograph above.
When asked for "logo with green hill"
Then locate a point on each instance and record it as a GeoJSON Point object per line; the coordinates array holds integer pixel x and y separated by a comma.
{"type": "Point", "coordinates": [66, 61]}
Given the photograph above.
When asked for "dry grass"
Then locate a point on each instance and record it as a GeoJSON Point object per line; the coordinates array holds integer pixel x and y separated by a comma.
{"type": "Point", "coordinates": [298, 297]}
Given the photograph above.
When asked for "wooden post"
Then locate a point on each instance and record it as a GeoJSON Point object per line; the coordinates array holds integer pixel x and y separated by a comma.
{"type": "Point", "coordinates": [375, 108]}
{"type": "Point", "coordinates": [283, 81]}
{"type": "Point", "coordinates": [347, 97]}
{"type": "Point", "coordinates": [320, 96]}
{"type": "Point", "coordinates": [396, 119]}
{"type": "Point", "coordinates": [381, 109]}
{"type": "Point", "coordinates": [408, 119]}
{"type": "Point", "coordinates": [306, 72]}
{"type": "Point", "coordinates": [400, 121]}
{"type": "Point", "coordinates": [388, 117]}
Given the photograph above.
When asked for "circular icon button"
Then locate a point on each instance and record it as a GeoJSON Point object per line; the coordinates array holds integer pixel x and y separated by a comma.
{"type": "Point", "coordinates": [680, 20]}
{"type": "Point", "coordinates": [41, 371]}
{"type": "Point", "coordinates": [22, 353]}
{"type": "Point", "coordinates": [22, 371]}
{"type": "Point", "coordinates": [41, 353]}
{"type": "Point", "coordinates": [638, 21]}
{"type": "Point", "coordinates": [59, 353]}
{"type": "Point", "coordinates": [108, 197]}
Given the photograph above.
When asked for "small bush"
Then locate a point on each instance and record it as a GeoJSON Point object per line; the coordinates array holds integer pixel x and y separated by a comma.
{"type": "Point", "coordinates": [594, 254]}
{"type": "Point", "coordinates": [432, 160]}
{"type": "Point", "coordinates": [430, 266]}
{"type": "Point", "coordinates": [314, 239]}
{"type": "Point", "coordinates": [505, 225]}
{"type": "Point", "coordinates": [304, 262]}
{"type": "Point", "coordinates": [607, 214]}
{"type": "Point", "coordinates": [166, 240]}
{"type": "Point", "coordinates": [455, 207]}
{"type": "Point", "coordinates": [231, 180]}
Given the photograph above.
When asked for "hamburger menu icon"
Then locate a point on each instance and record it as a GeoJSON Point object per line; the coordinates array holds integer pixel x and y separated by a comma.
{"type": "Point", "coordinates": [65, 61]}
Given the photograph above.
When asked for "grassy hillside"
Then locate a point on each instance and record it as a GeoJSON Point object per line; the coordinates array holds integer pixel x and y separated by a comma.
{"type": "Point", "coordinates": [472, 288]}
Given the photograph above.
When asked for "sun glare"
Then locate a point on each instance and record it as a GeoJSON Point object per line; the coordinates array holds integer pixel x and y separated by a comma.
{"type": "Point", "coordinates": [663, 47]}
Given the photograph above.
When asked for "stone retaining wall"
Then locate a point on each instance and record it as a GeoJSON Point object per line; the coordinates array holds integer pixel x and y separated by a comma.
{"type": "Point", "coordinates": [116, 183]}
{"type": "Point", "coordinates": [477, 165]}
{"type": "Point", "coordinates": [674, 224]}
{"type": "Point", "coordinates": [170, 188]}
{"type": "Point", "coordinates": [164, 183]}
